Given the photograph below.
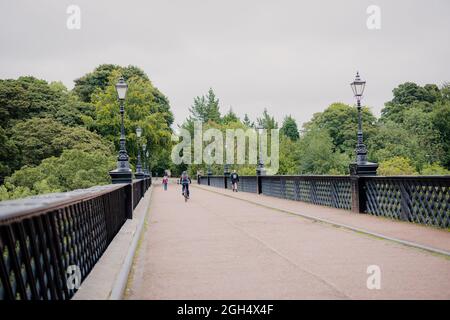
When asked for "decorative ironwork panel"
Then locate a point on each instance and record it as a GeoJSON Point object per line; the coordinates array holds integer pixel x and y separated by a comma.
{"type": "Point", "coordinates": [217, 181]}
{"type": "Point", "coordinates": [333, 191]}
{"type": "Point", "coordinates": [424, 200]}
{"type": "Point", "coordinates": [38, 244]}
{"type": "Point", "coordinates": [247, 184]}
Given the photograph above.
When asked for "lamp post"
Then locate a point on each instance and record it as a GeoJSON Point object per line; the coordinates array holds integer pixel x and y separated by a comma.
{"type": "Point", "coordinates": [148, 165]}
{"type": "Point", "coordinates": [260, 168]}
{"type": "Point", "coordinates": [122, 174]}
{"type": "Point", "coordinates": [145, 155]}
{"type": "Point", "coordinates": [226, 169]}
{"type": "Point", "coordinates": [139, 173]}
{"type": "Point", "coordinates": [361, 166]}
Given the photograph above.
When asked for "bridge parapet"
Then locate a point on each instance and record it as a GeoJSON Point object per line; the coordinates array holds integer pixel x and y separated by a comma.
{"type": "Point", "coordinates": [418, 199]}
{"type": "Point", "coordinates": [47, 238]}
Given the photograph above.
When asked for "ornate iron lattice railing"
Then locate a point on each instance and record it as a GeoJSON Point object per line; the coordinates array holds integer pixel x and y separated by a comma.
{"type": "Point", "coordinates": [332, 191]}
{"type": "Point", "coordinates": [424, 200]}
{"type": "Point", "coordinates": [204, 180]}
{"type": "Point", "coordinates": [418, 199]}
{"type": "Point", "coordinates": [40, 237]}
{"type": "Point", "coordinates": [217, 181]}
{"type": "Point", "coordinates": [248, 184]}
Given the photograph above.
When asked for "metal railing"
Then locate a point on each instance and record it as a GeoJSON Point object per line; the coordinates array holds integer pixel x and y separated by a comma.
{"type": "Point", "coordinates": [418, 199]}
{"type": "Point", "coordinates": [44, 239]}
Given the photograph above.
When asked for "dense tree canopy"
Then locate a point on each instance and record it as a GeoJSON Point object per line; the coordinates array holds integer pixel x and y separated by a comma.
{"type": "Point", "coordinates": [54, 139]}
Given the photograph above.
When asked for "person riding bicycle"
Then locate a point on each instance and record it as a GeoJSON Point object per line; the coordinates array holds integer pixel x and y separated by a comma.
{"type": "Point", "coordinates": [234, 180]}
{"type": "Point", "coordinates": [185, 181]}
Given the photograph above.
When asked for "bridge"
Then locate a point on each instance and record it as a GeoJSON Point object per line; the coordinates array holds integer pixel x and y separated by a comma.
{"type": "Point", "coordinates": [280, 237]}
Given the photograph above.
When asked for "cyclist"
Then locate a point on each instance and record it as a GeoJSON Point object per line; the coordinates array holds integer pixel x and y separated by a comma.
{"type": "Point", "coordinates": [185, 181]}
{"type": "Point", "coordinates": [234, 180]}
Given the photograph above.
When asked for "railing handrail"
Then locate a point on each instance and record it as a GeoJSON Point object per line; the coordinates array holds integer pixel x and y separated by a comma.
{"type": "Point", "coordinates": [53, 202]}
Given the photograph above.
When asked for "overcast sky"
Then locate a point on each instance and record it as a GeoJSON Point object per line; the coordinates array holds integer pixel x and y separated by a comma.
{"type": "Point", "coordinates": [292, 57]}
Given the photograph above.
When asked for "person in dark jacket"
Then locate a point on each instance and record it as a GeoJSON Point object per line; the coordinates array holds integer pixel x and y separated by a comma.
{"type": "Point", "coordinates": [185, 181]}
{"type": "Point", "coordinates": [234, 181]}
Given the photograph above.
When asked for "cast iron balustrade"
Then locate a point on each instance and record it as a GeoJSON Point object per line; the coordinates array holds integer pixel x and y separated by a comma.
{"type": "Point", "coordinates": [418, 199]}
{"type": "Point", "coordinates": [41, 236]}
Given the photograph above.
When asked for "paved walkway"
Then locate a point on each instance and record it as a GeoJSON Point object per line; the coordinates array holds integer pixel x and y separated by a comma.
{"type": "Point", "coordinates": [216, 247]}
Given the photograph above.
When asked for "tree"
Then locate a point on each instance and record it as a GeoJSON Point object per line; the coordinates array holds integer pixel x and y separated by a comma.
{"type": "Point", "coordinates": [230, 117]}
{"type": "Point", "coordinates": [267, 121]}
{"type": "Point", "coordinates": [247, 121]}
{"type": "Point", "coordinates": [316, 154]}
{"type": "Point", "coordinates": [341, 122]}
{"type": "Point", "coordinates": [205, 108]}
{"type": "Point", "coordinates": [405, 95]}
{"type": "Point", "coordinates": [99, 79]}
{"type": "Point", "coordinates": [396, 166]}
{"type": "Point", "coordinates": [289, 128]}
{"type": "Point", "coordinates": [74, 169]}
{"type": "Point", "coordinates": [40, 138]}
{"type": "Point", "coordinates": [440, 118]}
{"type": "Point", "coordinates": [140, 110]}
{"type": "Point", "coordinates": [27, 97]}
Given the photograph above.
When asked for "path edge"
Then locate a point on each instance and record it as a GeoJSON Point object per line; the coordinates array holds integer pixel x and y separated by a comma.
{"type": "Point", "coordinates": [120, 285]}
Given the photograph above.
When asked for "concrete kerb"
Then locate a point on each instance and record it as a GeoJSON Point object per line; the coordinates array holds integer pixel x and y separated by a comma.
{"type": "Point", "coordinates": [108, 279]}
{"type": "Point", "coordinates": [337, 224]}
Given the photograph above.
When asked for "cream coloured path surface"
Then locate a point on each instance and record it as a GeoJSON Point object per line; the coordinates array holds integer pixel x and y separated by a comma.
{"type": "Point", "coordinates": [217, 247]}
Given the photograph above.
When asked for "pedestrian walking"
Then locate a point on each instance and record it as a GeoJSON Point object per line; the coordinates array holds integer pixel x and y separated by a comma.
{"type": "Point", "coordinates": [234, 181]}
{"type": "Point", "coordinates": [165, 181]}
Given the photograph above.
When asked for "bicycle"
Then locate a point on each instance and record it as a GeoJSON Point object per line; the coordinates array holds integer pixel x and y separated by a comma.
{"type": "Point", "coordinates": [185, 193]}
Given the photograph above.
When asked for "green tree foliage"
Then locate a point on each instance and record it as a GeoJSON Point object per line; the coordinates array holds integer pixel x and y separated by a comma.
{"type": "Point", "coordinates": [74, 169]}
{"type": "Point", "coordinates": [205, 108]}
{"type": "Point", "coordinates": [267, 121]}
{"type": "Point", "coordinates": [396, 166]}
{"type": "Point", "coordinates": [141, 109]}
{"type": "Point", "coordinates": [341, 123]}
{"type": "Point", "coordinates": [100, 78]}
{"type": "Point", "coordinates": [289, 128]}
{"type": "Point", "coordinates": [247, 122]}
{"type": "Point", "coordinates": [40, 138]}
{"type": "Point", "coordinates": [27, 97]}
{"type": "Point", "coordinates": [316, 154]}
{"type": "Point", "coordinates": [434, 169]}
{"type": "Point", "coordinates": [230, 117]}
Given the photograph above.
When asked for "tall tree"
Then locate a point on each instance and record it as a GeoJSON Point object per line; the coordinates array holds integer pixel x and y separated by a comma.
{"type": "Point", "coordinates": [229, 117]}
{"type": "Point", "coordinates": [267, 121]}
{"type": "Point", "coordinates": [289, 128]}
{"type": "Point", "coordinates": [205, 108]}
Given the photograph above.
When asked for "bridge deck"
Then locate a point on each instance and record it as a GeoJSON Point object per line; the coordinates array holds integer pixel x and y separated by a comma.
{"type": "Point", "coordinates": [217, 247]}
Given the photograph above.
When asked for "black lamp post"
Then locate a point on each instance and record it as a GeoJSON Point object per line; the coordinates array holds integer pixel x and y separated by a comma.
{"type": "Point", "coordinates": [260, 168]}
{"type": "Point", "coordinates": [145, 155]}
{"type": "Point", "coordinates": [361, 166]}
{"type": "Point", "coordinates": [123, 172]}
{"type": "Point", "coordinates": [148, 165]}
{"type": "Point", "coordinates": [139, 173]}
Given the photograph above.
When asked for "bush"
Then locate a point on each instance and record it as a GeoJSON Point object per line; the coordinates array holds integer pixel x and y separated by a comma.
{"type": "Point", "coordinates": [397, 166]}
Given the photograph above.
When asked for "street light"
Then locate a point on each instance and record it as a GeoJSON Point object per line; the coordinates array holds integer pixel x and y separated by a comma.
{"type": "Point", "coordinates": [145, 155]}
{"type": "Point", "coordinates": [226, 168]}
{"type": "Point", "coordinates": [361, 166]}
{"type": "Point", "coordinates": [122, 174]}
{"type": "Point", "coordinates": [139, 173]}
{"type": "Point", "coordinates": [260, 168]}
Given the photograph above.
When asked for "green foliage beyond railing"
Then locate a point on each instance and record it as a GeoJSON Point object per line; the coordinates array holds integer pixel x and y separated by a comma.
{"type": "Point", "coordinates": [418, 199]}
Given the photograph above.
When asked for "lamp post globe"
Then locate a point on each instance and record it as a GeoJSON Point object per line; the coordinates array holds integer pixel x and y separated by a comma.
{"type": "Point", "coordinates": [361, 166]}
{"type": "Point", "coordinates": [122, 174]}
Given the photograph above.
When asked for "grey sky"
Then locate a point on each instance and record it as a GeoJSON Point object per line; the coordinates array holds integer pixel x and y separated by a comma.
{"type": "Point", "coordinates": [293, 57]}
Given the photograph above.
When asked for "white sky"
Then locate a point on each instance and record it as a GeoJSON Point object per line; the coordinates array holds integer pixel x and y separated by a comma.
{"type": "Point", "coordinates": [293, 57]}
